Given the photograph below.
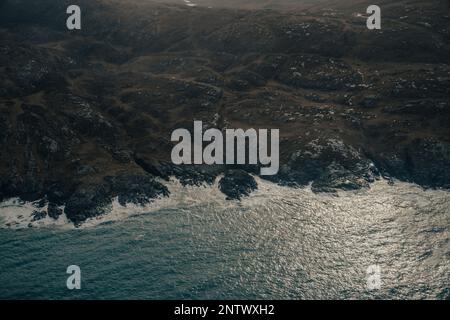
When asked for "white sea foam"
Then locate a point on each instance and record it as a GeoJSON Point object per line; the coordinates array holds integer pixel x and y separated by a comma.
{"type": "Point", "coordinates": [17, 214]}
{"type": "Point", "coordinates": [189, 3]}
{"type": "Point", "coordinates": [179, 195]}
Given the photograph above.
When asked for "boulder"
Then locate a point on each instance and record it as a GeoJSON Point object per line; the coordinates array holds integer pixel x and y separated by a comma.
{"type": "Point", "coordinates": [236, 184]}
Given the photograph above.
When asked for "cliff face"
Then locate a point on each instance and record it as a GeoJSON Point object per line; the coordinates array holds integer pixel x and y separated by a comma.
{"type": "Point", "coordinates": [87, 115]}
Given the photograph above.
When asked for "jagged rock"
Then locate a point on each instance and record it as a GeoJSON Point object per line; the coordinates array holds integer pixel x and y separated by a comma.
{"type": "Point", "coordinates": [137, 189]}
{"type": "Point", "coordinates": [328, 160]}
{"type": "Point", "coordinates": [338, 178]}
{"type": "Point", "coordinates": [153, 168]}
{"type": "Point", "coordinates": [96, 199]}
{"type": "Point", "coordinates": [38, 215]}
{"type": "Point", "coordinates": [40, 203]}
{"type": "Point", "coordinates": [236, 184]}
{"type": "Point", "coordinates": [59, 192]}
{"type": "Point", "coordinates": [88, 201]}
{"type": "Point", "coordinates": [53, 211]}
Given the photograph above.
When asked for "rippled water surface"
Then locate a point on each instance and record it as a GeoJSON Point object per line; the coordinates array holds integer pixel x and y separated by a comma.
{"type": "Point", "coordinates": [280, 243]}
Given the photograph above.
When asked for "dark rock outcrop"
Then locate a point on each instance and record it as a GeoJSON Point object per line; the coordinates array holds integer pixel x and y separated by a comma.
{"type": "Point", "coordinates": [53, 211]}
{"type": "Point", "coordinates": [38, 215]}
{"type": "Point", "coordinates": [88, 201]}
{"type": "Point", "coordinates": [237, 183]}
{"type": "Point", "coordinates": [137, 189]}
{"type": "Point", "coordinates": [96, 199]}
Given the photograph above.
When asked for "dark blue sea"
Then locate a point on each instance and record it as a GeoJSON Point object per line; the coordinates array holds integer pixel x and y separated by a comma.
{"type": "Point", "coordinates": [280, 243]}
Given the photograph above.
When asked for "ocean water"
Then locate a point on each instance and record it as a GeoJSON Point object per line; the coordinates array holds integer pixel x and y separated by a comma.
{"type": "Point", "coordinates": [279, 243]}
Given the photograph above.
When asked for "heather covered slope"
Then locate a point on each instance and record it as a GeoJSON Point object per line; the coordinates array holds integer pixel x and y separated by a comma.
{"type": "Point", "coordinates": [87, 115]}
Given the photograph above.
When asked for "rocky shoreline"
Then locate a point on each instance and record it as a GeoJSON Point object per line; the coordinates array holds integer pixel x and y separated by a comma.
{"type": "Point", "coordinates": [91, 200]}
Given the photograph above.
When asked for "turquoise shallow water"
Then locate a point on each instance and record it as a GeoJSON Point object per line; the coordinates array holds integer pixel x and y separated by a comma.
{"type": "Point", "coordinates": [278, 244]}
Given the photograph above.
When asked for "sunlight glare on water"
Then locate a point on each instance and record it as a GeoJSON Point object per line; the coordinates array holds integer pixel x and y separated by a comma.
{"type": "Point", "coordinates": [279, 243]}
